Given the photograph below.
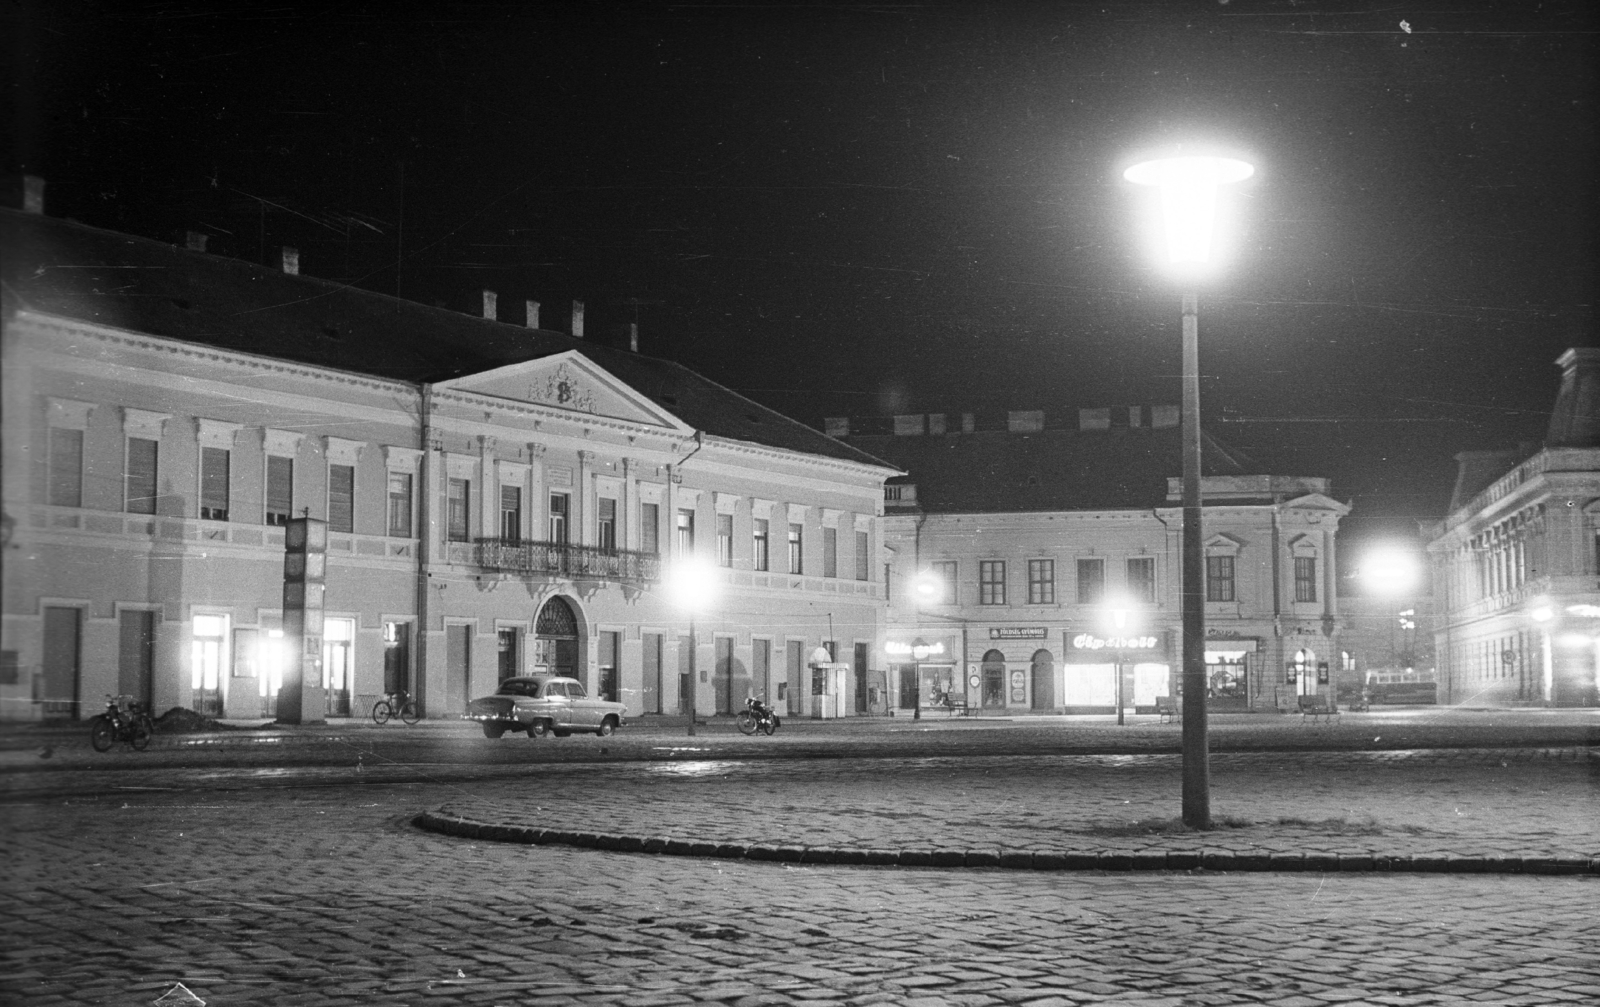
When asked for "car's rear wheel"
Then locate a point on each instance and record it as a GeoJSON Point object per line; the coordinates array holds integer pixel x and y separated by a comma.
{"type": "Point", "coordinates": [608, 727]}
{"type": "Point", "coordinates": [538, 729]}
{"type": "Point", "coordinates": [493, 730]}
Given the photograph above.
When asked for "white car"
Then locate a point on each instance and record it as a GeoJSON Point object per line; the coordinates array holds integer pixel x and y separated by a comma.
{"type": "Point", "coordinates": [538, 706]}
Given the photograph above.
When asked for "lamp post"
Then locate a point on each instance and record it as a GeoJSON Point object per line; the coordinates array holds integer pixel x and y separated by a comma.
{"type": "Point", "coordinates": [692, 586]}
{"type": "Point", "coordinates": [1119, 615]}
{"type": "Point", "coordinates": [1188, 187]}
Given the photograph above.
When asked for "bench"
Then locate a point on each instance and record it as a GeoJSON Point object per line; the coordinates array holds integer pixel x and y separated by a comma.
{"type": "Point", "coordinates": [957, 707]}
{"type": "Point", "coordinates": [1317, 706]}
{"type": "Point", "coordinates": [1167, 707]}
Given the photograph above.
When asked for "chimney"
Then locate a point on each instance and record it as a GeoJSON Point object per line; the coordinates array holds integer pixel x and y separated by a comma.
{"type": "Point", "coordinates": [195, 241]}
{"type": "Point", "coordinates": [1094, 419]}
{"type": "Point", "coordinates": [291, 260]}
{"type": "Point", "coordinates": [1026, 421]}
{"type": "Point", "coordinates": [577, 319]}
{"type": "Point", "coordinates": [908, 425]}
{"type": "Point", "coordinates": [836, 426]}
{"type": "Point", "coordinates": [1136, 416]}
{"type": "Point", "coordinates": [533, 314]}
{"type": "Point", "coordinates": [1575, 420]}
{"type": "Point", "coordinates": [969, 423]}
{"type": "Point", "coordinates": [490, 303]}
{"type": "Point", "coordinates": [1163, 416]}
{"type": "Point", "coordinates": [633, 336]}
{"type": "Point", "coordinates": [936, 423]}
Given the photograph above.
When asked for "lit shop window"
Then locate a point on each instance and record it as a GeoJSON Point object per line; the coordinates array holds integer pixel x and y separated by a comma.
{"type": "Point", "coordinates": [206, 656]}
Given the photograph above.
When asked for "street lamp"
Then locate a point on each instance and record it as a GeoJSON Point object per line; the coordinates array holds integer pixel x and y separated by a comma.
{"type": "Point", "coordinates": [1120, 621]}
{"type": "Point", "coordinates": [692, 584]}
{"type": "Point", "coordinates": [1188, 186]}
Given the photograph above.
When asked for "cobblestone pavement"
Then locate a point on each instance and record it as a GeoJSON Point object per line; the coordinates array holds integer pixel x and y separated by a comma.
{"type": "Point", "coordinates": [1467, 804]}
{"type": "Point", "coordinates": [328, 896]}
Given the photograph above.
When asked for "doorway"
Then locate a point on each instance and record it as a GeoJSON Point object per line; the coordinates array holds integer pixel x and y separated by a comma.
{"type": "Point", "coordinates": [1044, 680]}
{"type": "Point", "coordinates": [555, 648]}
{"type": "Point", "coordinates": [136, 655]}
{"type": "Point", "coordinates": [338, 637]}
{"type": "Point", "coordinates": [653, 644]}
{"type": "Point", "coordinates": [994, 679]}
{"type": "Point", "coordinates": [63, 641]}
{"type": "Point", "coordinates": [458, 666]}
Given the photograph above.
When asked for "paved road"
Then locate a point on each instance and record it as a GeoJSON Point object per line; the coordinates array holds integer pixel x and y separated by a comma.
{"type": "Point", "coordinates": [328, 896]}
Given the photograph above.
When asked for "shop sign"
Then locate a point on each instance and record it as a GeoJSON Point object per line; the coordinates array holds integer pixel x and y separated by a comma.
{"type": "Point", "coordinates": [1088, 641]}
{"type": "Point", "coordinates": [1019, 687]}
{"type": "Point", "coordinates": [1017, 633]}
{"type": "Point", "coordinates": [914, 650]}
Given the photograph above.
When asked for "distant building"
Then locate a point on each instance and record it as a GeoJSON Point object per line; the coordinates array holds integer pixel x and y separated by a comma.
{"type": "Point", "coordinates": [1516, 561]}
{"type": "Point", "coordinates": [500, 499]}
{"type": "Point", "coordinates": [1034, 567]}
{"type": "Point", "coordinates": [1387, 647]}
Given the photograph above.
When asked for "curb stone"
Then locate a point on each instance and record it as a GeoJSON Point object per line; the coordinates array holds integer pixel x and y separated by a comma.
{"type": "Point", "coordinates": [1024, 860]}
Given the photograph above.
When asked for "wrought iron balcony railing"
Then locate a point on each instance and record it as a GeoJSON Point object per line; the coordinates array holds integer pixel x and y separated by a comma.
{"type": "Point", "coordinates": [562, 559]}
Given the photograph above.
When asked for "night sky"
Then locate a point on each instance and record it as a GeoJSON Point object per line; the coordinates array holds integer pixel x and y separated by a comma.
{"type": "Point", "coordinates": [853, 209]}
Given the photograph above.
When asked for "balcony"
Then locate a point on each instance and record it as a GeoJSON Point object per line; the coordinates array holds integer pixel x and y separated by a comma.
{"type": "Point", "coordinates": [559, 559]}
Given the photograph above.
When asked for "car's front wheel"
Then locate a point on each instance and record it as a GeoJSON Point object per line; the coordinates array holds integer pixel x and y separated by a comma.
{"type": "Point", "coordinates": [608, 727]}
{"type": "Point", "coordinates": [538, 728]}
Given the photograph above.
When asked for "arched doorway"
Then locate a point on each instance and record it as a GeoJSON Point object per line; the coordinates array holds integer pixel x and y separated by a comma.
{"type": "Point", "coordinates": [555, 645]}
{"type": "Point", "coordinates": [994, 679]}
{"type": "Point", "coordinates": [1044, 680]}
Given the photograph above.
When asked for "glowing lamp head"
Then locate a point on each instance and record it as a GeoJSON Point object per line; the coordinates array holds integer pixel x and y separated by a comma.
{"type": "Point", "coordinates": [692, 583]}
{"type": "Point", "coordinates": [1188, 187]}
{"type": "Point", "coordinates": [1542, 613]}
{"type": "Point", "coordinates": [1391, 571]}
{"type": "Point", "coordinates": [929, 587]}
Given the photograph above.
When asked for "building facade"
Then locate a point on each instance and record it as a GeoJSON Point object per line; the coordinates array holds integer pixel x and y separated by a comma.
{"type": "Point", "coordinates": [499, 500]}
{"type": "Point", "coordinates": [1516, 562]}
{"type": "Point", "coordinates": [1037, 569]}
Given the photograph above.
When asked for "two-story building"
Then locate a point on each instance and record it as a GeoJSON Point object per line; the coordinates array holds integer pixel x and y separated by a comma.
{"type": "Point", "coordinates": [500, 499]}
{"type": "Point", "coordinates": [1516, 562]}
{"type": "Point", "coordinates": [1036, 567]}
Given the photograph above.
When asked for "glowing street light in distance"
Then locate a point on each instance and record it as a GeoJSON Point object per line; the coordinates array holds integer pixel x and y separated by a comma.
{"type": "Point", "coordinates": [1188, 188]}
{"type": "Point", "coordinates": [1391, 571]}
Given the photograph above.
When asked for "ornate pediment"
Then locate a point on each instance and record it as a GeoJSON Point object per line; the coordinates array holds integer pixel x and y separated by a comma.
{"type": "Point", "coordinates": [568, 381]}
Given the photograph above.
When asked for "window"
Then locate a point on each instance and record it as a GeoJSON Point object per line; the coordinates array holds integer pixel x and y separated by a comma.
{"type": "Point", "coordinates": [606, 524]}
{"type": "Point", "coordinates": [1091, 581]}
{"type": "Point", "coordinates": [511, 513]}
{"type": "Point", "coordinates": [400, 504]}
{"type": "Point", "coordinates": [1219, 578]}
{"type": "Point", "coordinates": [341, 498]}
{"type": "Point", "coordinates": [1305, 578]}
{"type": "Point", "coordinates": [141, 485]}
{"type": "Point", "coordinates": [685, 533]}
{"type": "Point", "coordinates": [946, 572]}
{"type": "Point", "coordinates": [280, 490]}
{"type": "Point", "coordinates": [1142, 579]}
{"type": "Point", "coordinates": [214, 483]}
{"type": "Point", "coordinates": [796, 549]}
{"type": "Point", "coordinates": [863, 546]}
{"type": "Point", "coordinates": [66, 467]}
{"type": "Point", "coordinates": [992, 582]}
{"type": "Point", "coordinates": [560, 512]}
{"type": "Point", "coordinates": [760, 557]}
{"type": "Point", "coordinates": [1041, 582]}
{"type": "Point", "coordinates": [458, 508]}
{"type": "Point", "coordinates": [724, 539]}
{"type": "Point", "coordinates": [830, 552]}
{"type": "Point", "coordinates": [650, 528]}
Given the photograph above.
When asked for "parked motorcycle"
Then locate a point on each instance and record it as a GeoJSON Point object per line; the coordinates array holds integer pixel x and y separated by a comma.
{"type": "Point", "coordinates": [757, 716]}
{"type": "Point", "coordinates": [130, 723]}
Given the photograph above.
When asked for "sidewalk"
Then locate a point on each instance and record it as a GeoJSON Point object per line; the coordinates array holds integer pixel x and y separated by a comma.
{"type": "Point", "coordinates": [1533, 811]}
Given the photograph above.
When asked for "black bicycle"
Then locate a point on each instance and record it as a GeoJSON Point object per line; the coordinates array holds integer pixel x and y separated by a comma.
{"type": "Point", "coordinates": [125, 720]}
{"type": "Point", "coordinates": [396, 704]}
{"type": "Point", "coordinates": [757, 716]}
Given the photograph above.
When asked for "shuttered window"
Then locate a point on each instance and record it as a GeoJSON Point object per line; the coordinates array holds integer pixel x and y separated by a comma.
{"type": "Point", "coordinates": [214, 464]}
{"type": "Point", "coordinates": [280, 490]}
{"type": "Point", "coordinates": [66, 467]}
{"type": "Point", "coordinates": [141, 484]}
{"type": "Point", "coordinates": [341, 498]}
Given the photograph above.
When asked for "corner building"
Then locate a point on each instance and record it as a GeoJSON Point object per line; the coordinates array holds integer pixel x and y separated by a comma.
{"type": "Point", "coordinates": [1037, 569]}
{"type": "Point", "coordinates": [1516, 562]}
{"type": "Point", "coordinates": [500, 499]}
